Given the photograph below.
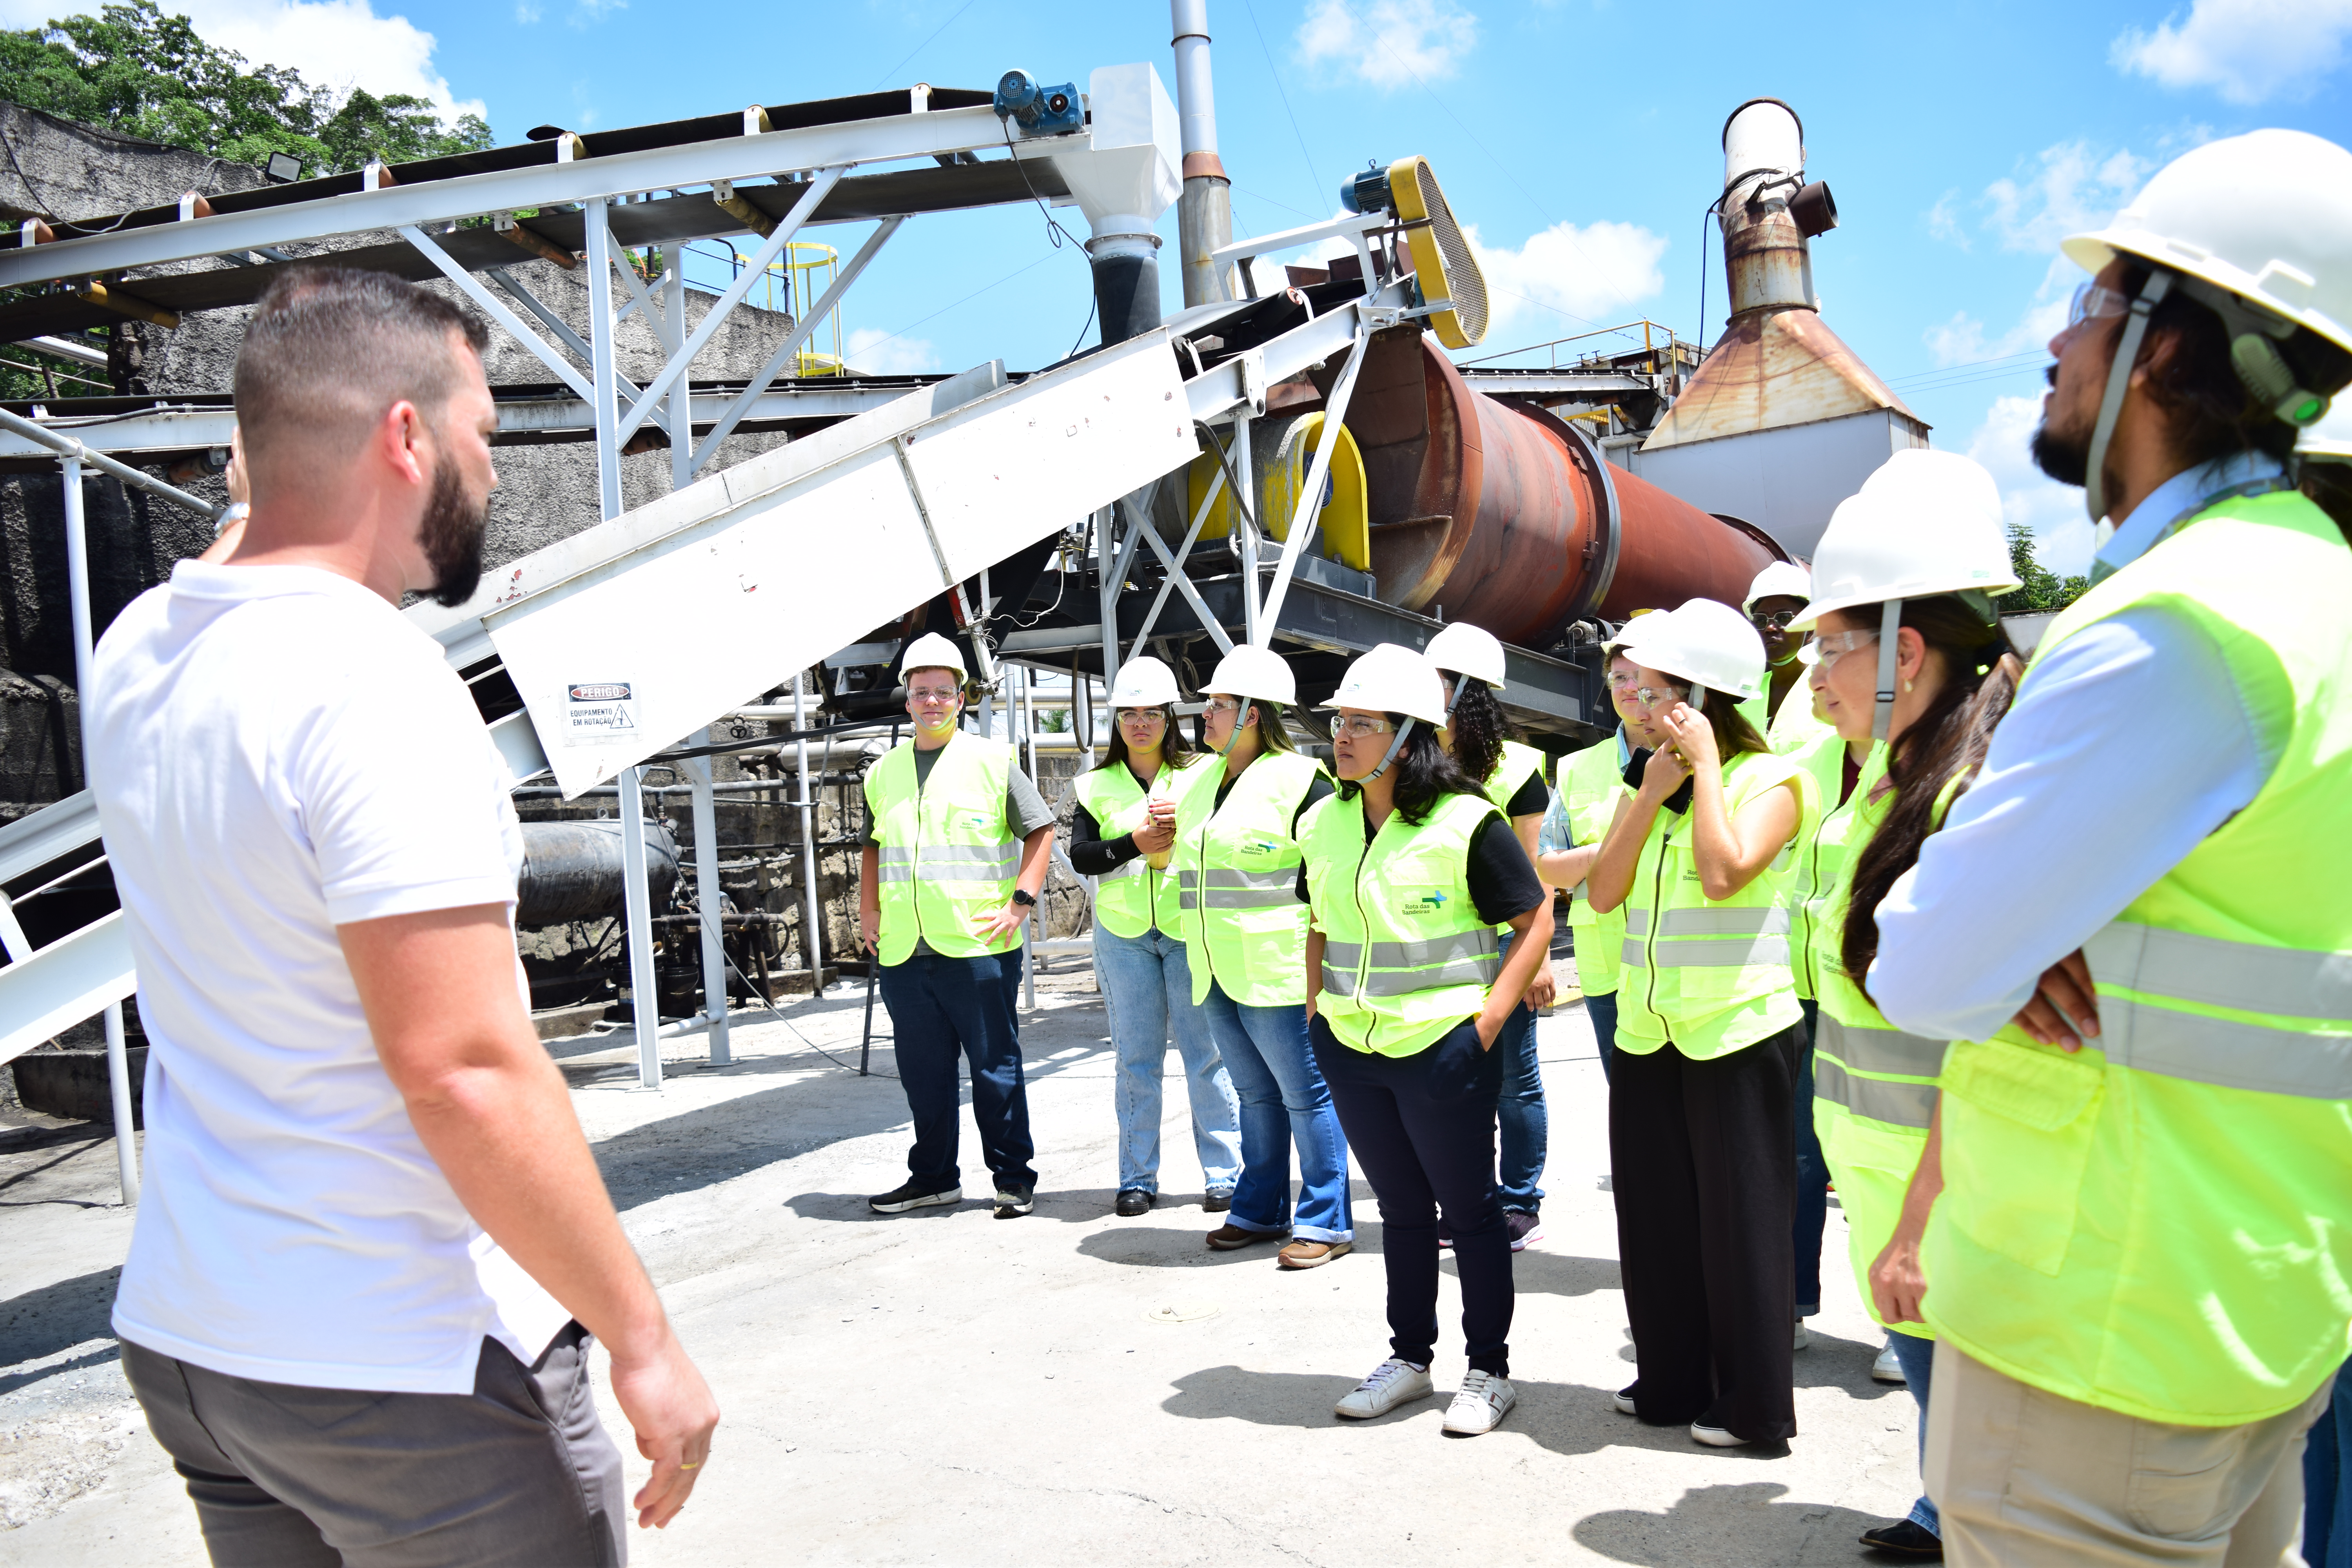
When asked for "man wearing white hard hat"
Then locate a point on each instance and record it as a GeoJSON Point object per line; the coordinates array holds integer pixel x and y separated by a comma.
{"type": "Point", "coordinates": [2138, 1266]}
{"type": "Point", "coordinates": [1245, 943]}
{"type": "Point", "coordinates": [1469, 660]}
{"type": "Point", "coordinates": [1409, 869]}
{"type": "Point", "coordinates": [1708, 1035]}
{"type": "Point", "coordinates": [1779, 592]}
{"type": "Point", "coordinates": [1903, 582]}
{"type": "Point", "coordinates": [1123, 833]}
{"type": "Point", "coordinates": [956, 844]}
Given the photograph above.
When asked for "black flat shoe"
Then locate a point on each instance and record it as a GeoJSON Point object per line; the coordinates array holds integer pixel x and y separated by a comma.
{"type": "Point", "coordinates": [1134, 1201]}
{"type": "Point", "coordinates": [1906, 1539]}
{"type": "Point", "coordinates": [1216, 1203]}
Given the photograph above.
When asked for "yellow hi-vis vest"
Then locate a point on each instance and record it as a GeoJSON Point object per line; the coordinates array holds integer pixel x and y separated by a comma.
{"type": "Point", "coordinates": [1132, 898]}
{"type": "Point", "coordinates": [948, 859]}
{"type": "Point", "coordinates": [1512, 770]}
{"type": "Point", "coordinates": [1874, 1084]}
{"type": "Point", "coordinates": [1818, 860]}
{"type": "Point", "coordinates": [1405, 956]}
{"type": "Point", "coordinates": [1236, 869]}
{"type": "Point", "coordinates": [1591, 782]}
{"type": "Point", "coordinates": [1709, 977]}
{"type": "Point", "coordinates": [2161, 1224]}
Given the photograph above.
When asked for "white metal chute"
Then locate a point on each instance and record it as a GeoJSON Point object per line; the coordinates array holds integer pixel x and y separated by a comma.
{"type": "Point", "coordinates": [64, 982]}
{"type": "Point", "coordinates": [777, 562]}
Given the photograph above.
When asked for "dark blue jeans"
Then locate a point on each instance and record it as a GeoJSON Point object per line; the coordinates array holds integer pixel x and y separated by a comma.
{"type": "Point", "coordinates": [1422, 1127]}
{"type": "Point", "coordinates": [1603, 1011]}
{"type": "Point", "coordinates": [2327, 1481]}
{"type": "Point", "coordinates": [941, 1007]}
{"type": "Point", "coordinates": [1526, 1125]}
{"type": "Point", "coordinates": [1813, 1177]}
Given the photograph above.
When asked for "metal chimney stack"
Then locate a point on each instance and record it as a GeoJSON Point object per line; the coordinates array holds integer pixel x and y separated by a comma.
{"type": "Point", "coordinates": [1205, 214]}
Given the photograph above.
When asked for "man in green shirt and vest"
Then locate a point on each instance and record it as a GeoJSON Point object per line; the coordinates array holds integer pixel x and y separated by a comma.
{"type": "Point", "coordinates": [2131, 1230]}
{"type": "Point", "coordinates": [955, 853]}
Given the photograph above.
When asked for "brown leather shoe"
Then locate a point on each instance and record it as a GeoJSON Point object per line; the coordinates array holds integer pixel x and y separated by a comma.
{"type": "Point", "coordinates": [1304, 1254]}
{"type": "Point", "coordinates": [1233, 1237]}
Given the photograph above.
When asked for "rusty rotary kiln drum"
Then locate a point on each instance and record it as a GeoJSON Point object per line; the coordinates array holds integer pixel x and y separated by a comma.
{"type": "Point", "coordinates": [1504, 517]}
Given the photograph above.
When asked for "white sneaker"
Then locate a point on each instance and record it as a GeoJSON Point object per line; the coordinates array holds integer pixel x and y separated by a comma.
{"type": "Point", "coordinates": [1887, 1368]}
{"type": "Point", "coordinates": [1392, 1383]}
{"type": "Point", "coordinates": [1801, 1341]}
{"type": "Point", "coordinates": [1480, 1403]}
{"type": "Point", "coordinates": [1623, 1400]}
{"type": "Point", "coordinates": [1716, 1436]}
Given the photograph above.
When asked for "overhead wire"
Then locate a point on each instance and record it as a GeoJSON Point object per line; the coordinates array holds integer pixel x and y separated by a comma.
{"type": "Point", "coordinates": [926, 44]}
{"type": "Point", "coordinates": [1284, 93]}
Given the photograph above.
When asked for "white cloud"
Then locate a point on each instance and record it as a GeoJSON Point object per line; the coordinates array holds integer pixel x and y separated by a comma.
{"type": "Point", "coordinates": [2073, 187]}
{"type": "Point", "coordinates": [337, 44]}
{"type": "Point", "coordinates": [1597, 273]}
{"type": "Point", "coordinates": [586, 12]}
{"type": "Point", "coordinates": [1944, 220]}
{"type": "Point", "coordinates": [1388, 43]}
{"type": "Point", "coordinates": [2249, 51]}
{"type": "Point", "coordinates": [527, 12]}
{"type": "Point", "coordinates": [1963, 338]}
{"type": "Point", "coordinates": [877, 353]}
{"type": "Point", "coordinates": [2061, 531]}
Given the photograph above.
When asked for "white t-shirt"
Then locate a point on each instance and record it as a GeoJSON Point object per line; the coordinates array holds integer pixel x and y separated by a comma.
{"type": "Point", "coordinates": [276, 751]}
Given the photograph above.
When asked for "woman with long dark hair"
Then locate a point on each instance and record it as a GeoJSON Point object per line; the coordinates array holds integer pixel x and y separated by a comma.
{"type": "Point", "coordinates": [1123, 832]}
{"type": "Point", "coordinates": [1708, 1032]}
{"type": "Point", "coordinates": [1409, 870]}
{"type": "Point", "coordinates": [1244, 925]}
{"type": "Point", "coordinates": [1477, 735]}
{"type": "Point", "coordinates": [1929, 523]}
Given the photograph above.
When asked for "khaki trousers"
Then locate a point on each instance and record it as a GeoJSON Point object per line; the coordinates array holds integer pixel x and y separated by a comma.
{"type": "Point", "coordinates": [2026, 1479]}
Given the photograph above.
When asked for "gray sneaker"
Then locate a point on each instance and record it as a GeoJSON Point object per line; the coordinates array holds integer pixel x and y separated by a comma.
{"type": "Point", "coordinates": [899, 1200]}
{"type": "Point", "coordinates": [1392, 1383]}
{"type": "Point", "coordinates": [1012, 1202]}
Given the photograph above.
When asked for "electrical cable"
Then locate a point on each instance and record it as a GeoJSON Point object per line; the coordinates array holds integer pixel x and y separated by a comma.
{"type": "Point", "coordinates": [926, 44]}
{"type": "Point", "coordinates": [1054, 231]}
{"type": "Point", "coordinates": [1304, 156]}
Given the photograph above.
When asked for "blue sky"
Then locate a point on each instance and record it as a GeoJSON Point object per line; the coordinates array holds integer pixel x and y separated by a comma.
{"type": "Point", "coordinates": [1580, 138]}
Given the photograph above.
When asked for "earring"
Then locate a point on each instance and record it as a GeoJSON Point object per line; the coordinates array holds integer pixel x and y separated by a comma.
{"type": "Point", "coordinates": [1906, 686]}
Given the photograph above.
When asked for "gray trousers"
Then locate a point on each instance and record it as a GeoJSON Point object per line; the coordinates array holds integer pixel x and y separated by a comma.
{"type": "Point", "coordinates": [518, 1472]}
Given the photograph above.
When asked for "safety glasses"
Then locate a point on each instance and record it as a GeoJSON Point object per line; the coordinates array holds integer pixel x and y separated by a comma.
{"type": "Point", "coordinates": [2093, 301]}
{"type": "Point", "coordinates": [1362, 728]}
{"type": "Point", "coordinates": [1775, 622]}
{"type": "Point", "coordinates": [1825, 651]}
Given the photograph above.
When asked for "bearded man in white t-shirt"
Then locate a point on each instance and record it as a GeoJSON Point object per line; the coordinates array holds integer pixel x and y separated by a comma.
{"type": "Point", "coordinates": [374, 1245]}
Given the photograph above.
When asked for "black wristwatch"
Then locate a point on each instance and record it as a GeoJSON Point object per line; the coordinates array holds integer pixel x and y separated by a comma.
{"type": "Point", "coordinates": [1027, 900]}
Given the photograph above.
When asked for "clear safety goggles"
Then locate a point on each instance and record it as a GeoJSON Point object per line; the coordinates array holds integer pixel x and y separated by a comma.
{"type": "Point", "coordinates": [1825, 651]}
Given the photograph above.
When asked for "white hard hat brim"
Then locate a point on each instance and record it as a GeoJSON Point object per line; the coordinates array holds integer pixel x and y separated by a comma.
{"type": "Point", "coordinates": [1925, 589]}
{"type": "Point", "coordinates": [2092, 252]}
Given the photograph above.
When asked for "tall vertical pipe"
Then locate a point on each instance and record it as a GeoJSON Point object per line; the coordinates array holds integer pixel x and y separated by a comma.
{"type": "Point", "coordinates": [636, 905]}
{"type": "Point", "coordinates": [708, 897]}
{"type": "Point", "coordinates": [1205, 214]}
{"type": "Point", "coordinates": [117, 1057]}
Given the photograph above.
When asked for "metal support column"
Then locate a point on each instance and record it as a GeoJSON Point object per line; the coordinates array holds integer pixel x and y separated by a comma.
{"type": "Point", "coordinates": [602, 368]}
{"type": "Point", "coordinates": [1107, 557]}
{"type": "Point", "coordinates": [812, 911]}
{"type": "Point", "coordinates": [1245, 528]}
{"type": "Point", "coordinates": [677, 414]}
{"type": "Point", "coordinates": [118, 1058]}
{"type": "Point", "coordinates": [1020, 709]}
{"type": "Point", "coordinates": [708, 898]}
{"type": "Point", "coordinates": [644, 996]}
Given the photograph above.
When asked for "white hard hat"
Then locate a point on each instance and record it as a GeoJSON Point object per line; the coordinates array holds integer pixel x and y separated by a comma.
{"type": "Point", "coordinates": [1884, 545]}
{"type": "Point", "coordinates": [1705, 642]}
{"type": "Point", "coordinates": [1780, 580]}
{"type": "Point", "coordinates": [1253, 671]}
{"type": "Point", "coordinates": [1631, 630]}
{"type": "Point", "coordinates": [1143, 682]}
{"type": "Point", "coordinates": [2330, 440]}
{"type": "Point", "coordinates": [932, 651]}
{"type": "Point", "coordinates": [2266, 217]}
{"type": "Point", "coordinates": [1467, 651]}
{"type": "Point", "coordinates": [1390, 678]}
{"type": "Point", "coordinates": [1923, 471]}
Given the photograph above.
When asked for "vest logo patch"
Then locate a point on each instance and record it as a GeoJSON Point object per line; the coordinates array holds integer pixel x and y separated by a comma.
{"type": "Point", "coordinates": [1428, 904]}
{"type": "Point", "coordinates": [1260, 847]}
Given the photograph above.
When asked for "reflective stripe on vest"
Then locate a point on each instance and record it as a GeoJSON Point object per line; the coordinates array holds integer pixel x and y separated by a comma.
{"type": "Point", "coordinates": [1397, 967]}
{"type": "Point", "coordinates": [1882, 1050]}
{"type": "Point", "coordinates": [1889, 1100]}
{"type": "Point", "coordinates": [1228, 889]}
{"type": "Point", "coordinates": [2147, 1032]}
{"type": "Point", "coordinates": [1713, 938]}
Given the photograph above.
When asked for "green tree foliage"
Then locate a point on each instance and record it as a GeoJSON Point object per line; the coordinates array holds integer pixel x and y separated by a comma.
{"type": "Point", "coordinates": [132, 69]}
{"type": "Point", "coordinates": [2041, 589]}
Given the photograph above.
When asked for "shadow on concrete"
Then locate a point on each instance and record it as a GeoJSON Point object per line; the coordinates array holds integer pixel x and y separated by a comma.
{"type": "Point", "coordinates": [1534, 1270]}
{"type": "Point", "coordinates": [717, 1142]}
{"type": "Point", "coordinates": [1729, 1525]}
{"type": "Point", "coordinates": [1566, 1418]}
{"type": "Point", "coordinates": [1834, 1362]}
{"type": "Point", "coordinates": [57, 1317]}
{"type": "Point", "coordinates": [851, 1208]}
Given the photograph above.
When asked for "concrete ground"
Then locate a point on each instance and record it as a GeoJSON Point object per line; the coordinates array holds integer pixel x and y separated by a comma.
{"type": "Point", "coordinates": [1065, 1388]}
